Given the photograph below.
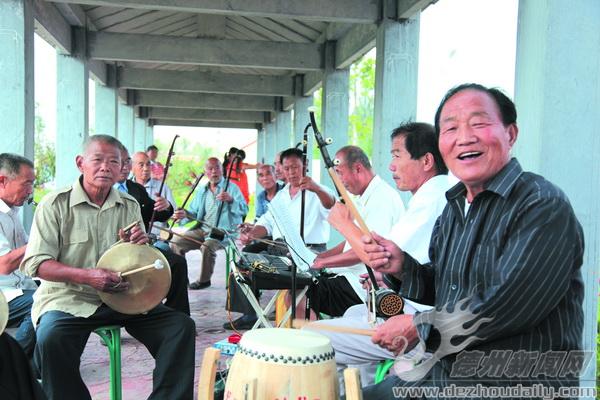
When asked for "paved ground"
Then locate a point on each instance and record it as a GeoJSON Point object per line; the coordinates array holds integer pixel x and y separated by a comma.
{"type": "Point", "coordinates": [208, 311]}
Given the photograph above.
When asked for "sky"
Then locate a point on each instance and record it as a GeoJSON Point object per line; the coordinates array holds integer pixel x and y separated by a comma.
{"type": "Point", "coordinates": [460, 41]}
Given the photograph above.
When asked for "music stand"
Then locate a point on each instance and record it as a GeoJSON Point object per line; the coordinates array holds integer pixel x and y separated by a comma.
{"type": "Point", "coordinates": [261, 313]}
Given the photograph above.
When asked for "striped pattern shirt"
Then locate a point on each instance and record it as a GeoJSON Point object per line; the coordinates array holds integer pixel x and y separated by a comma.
{"type": "Point", "coordinates": [515, 257]}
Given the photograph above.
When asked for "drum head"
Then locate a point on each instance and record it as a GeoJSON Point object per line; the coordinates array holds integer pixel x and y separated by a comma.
{"type": "Point", "coordinates": [292, 344]}
{"type": "Point", "coordinates": [3, 312]}
{"type": "Point", "coordinates": [147, 288]}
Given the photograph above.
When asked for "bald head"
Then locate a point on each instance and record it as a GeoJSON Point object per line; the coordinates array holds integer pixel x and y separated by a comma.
{"type": "Point", "coordinates": [140, 167]}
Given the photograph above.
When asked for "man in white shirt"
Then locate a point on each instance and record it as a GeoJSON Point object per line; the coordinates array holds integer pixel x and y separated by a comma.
{"type": "Point", "coordinates": [380, 207]}
{"type": "Point", "coordinates": [16, 185]}
{"type": "Point", "coordinates": [318, 200]}
{"type": "Point", "coordinates": [418, 167]}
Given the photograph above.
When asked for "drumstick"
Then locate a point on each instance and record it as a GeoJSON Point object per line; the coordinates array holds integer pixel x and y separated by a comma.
{"type": "Point", "coordinates": [158, 264]}
{"type": "Point", "coordinates": [179, 234]}
{"type": "Point", "coordinates": [127, 229]}
{"type": "Point", "coordinates": [303, 324]}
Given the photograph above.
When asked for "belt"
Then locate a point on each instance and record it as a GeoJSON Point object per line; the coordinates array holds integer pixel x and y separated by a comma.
{"type": "Point", "coordinates": [316, 244]}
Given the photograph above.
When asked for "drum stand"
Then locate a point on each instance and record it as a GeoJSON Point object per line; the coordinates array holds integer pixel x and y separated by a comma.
{"type": "Point", "coordinates": [262, 313]}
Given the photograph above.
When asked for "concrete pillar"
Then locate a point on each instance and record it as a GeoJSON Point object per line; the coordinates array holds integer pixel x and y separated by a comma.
{"type": "Point", "coordinates": [17, 103]}
{"type": "Point", "coordinates": [139, 134]}
{"type": "Point", "coordinates": [557, 92]}
{"type": "Point", "coordinates": [106, 110]}
{"type": "Point", "coordinates": [72, 115]}
{"type": "Point", "coordinates": [260, 147]}
{"type": "Point", "coordinates": [301, 119]}
{"type": "Point", "coordinates": [270, 145]}
{"type": "Point", "coordinates": [284, 130]}
{"type": "Point", "coordinates": [149, 136]}
{"type": "Point", "coordinates": [16, 77]}
{"type": "Point", "coordinates": [334, 107]}
{"type": "Point", "coordinates": [125, 131]}
{"type": "Point", "coordinates": [396, 72]}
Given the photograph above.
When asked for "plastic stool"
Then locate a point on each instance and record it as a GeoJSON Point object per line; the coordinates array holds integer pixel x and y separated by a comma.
{"type": "Point", "coordinates": [382, 370]}
{"type": "Point", "coordinates": [111, 335]}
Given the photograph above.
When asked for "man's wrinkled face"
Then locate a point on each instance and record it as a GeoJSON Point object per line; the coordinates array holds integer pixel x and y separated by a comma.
{"type": "Point", "coordinates": [213, 170]}
{"type": "Point", "coordinates": [279, 174]}
{"type": "Point", "coordinates": [125, 166]}
{"type": "Point", "coordinates": [348, 175]}
{"type": "Point", "coordinates": [266, 178]}
{"type": "Point", "coordinates": [141, 167]}
{"type": "Point", "coordinates": [292, 169]}
{"type": "Point", "coordinates": [100, 165]}
{"type": "Point", "coordinates": [16, 190]}
{"type": "Point", "coordinates": [473, 140]}
{"type": "Point", "coordinates": [407, 172]}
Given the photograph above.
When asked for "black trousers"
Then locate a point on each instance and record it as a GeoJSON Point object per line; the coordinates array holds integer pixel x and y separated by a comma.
{"type": "Point", "coordinates": [17, 381]}
{"type": "Point", "coordinates": [177, 297]}
{"type": "Point", "coordinates": [168, 335]}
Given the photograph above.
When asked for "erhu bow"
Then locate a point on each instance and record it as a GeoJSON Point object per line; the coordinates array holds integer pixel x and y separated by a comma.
{"type": "Point", "coordinates": [162, 182]}
{"type": "Point", "coordinates": [215, 232]}
{"type": "Point", "coordinates": [388, 303]}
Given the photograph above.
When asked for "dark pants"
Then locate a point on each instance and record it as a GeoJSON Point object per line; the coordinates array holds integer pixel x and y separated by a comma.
{"type": "Point", "coordinates": [17, 381]}
{"type": "Point", "coordinates": [19, 314]}
{"type": "Point", "coordinates": [177, 297]}
{"type": "Point", "coordinates": [168, 336]}
{"type": "Point", "coordinates": [332, 295]}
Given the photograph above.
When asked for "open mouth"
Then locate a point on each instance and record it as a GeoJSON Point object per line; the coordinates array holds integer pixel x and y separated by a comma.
{"type": "Point", "coordinates": [469, 155]}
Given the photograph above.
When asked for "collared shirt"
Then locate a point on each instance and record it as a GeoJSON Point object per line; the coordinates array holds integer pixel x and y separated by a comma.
{"type": "Point", "coordinates": [69, 228]}
{"type": "Point", "coordinates": [232, 213]}
{"type": "Point", "coordinates": [316, 227]}
{"type": "Point", "coordinates": [262, 202]}
{"type": "Point", "coordinates": [152, 187]}
{"type": "Point", "coordinates": [515, 257]}
{"type": "Point", "coordinates": [12, 236]}
{"type": "Point", "coordinates": [381, 207]}
{"type": "Point", "coordinates": [413, 231]}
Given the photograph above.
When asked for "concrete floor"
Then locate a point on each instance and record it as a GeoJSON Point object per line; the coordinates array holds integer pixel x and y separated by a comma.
{"type": "Point", "coordinates": [208, 311]}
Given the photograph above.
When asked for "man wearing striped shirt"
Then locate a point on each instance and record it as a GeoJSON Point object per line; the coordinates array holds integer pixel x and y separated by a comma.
{"type": "Point", "coordinates": [505, 260]}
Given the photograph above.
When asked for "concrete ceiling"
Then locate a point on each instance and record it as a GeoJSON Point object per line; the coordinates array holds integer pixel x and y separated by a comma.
{"type": "Point", "coordinates": [214, 62]}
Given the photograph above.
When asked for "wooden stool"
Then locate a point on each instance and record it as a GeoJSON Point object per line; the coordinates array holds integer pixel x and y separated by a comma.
{"type": "Point", "coordinates": [111, 335]}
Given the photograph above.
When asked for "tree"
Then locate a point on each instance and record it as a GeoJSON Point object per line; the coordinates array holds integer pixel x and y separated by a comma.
{"type": "Point", "coordinates": [44, 154]}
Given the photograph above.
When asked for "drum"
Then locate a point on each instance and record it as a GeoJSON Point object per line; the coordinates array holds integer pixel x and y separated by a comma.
{"type": "Point", "coordinates": [146, 288]}
{"type": "Point", "coordinates": [283, 363]}
{"type": "Point", "coordinates": [3, 312]}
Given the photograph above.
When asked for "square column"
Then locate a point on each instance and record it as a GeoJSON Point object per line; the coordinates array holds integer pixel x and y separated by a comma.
{"type": "Point", "coordinates": [17, 102]}
{"type": "Point", "coordinates": [557, 92]}
{"type": "Point", "coordinates": [125, 131]}
{"type": "Point", "coordinates": [260, 146]}
{"type": "Point", "coordinates": [335, 103]}
{"type": "Point", "coordinates": [283, 138]}
{"type": "Point", "coordinates": [106, 110]}
{"type": "Point", "coordinates": [139, 134]}
{"type": "Point", "coordinates": [72, 116]}
{"type": "Point", "coordinates": [396, 72]}
{"type": "Point", "coordinates": [149, 136]}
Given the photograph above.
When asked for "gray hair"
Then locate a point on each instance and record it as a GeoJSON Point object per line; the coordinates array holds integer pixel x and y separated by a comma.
{"type": "Point", "coordinates": [111, 140]}
{"type": "Point", "coordinates": [10, 164]}
{"type": "Point", "coordinates": [353, 155]}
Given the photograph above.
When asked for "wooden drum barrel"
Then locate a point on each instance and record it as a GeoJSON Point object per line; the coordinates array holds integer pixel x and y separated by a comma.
{"type": "Point", "coordinates": [278, 363]}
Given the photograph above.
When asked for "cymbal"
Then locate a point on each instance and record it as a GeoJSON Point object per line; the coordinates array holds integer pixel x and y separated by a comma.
{"type": "Point", "coordinates": [147, 288]}
{"type": "Point", "coordinates": [3, 312]}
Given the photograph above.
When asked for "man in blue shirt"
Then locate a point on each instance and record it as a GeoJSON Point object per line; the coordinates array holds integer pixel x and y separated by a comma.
{"type": "Point", "coordinates": [204, 209]}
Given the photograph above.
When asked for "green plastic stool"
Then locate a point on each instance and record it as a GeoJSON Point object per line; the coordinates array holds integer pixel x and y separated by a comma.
{"type": "Point", "coordinates": [382, 370]}
{"type": "Point", "coordinates": [111, 335]}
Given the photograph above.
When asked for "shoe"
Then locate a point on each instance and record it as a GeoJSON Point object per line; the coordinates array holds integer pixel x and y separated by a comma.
{"type": "Point", "coordinates": [199, 285]}
{"type": "Point", "coordinates": [243, 322]}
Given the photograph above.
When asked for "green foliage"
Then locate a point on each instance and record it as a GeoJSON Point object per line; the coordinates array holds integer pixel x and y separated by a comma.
{"type": "Point", "coordinates": [362, 92]}
{"type": "Point", "coordinates": [362, 105]}
{"type": "Point", "coordinates": [189, 158]}
{"type": "Point", "coordinates": [44, 155]}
